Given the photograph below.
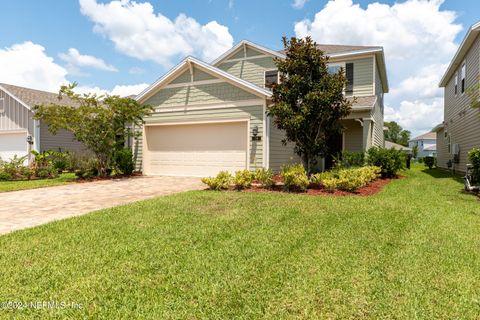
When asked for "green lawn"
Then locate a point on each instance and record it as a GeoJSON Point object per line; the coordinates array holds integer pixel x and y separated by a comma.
{"type": "Point", "coordinates": [32, 184]}
{"type": "Point", "coordinates": [409, 252]}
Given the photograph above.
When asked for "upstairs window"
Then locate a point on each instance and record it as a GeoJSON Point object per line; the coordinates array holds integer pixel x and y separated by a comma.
{"type": "Point", "coordinates": [456, 83]}
{"type": "Point", "coordinates": [462, 77]}
{"type": "Point", "coordinates": [271, 78]}
{"type": "Point", "coordinates": [2, 105]}
{"type": "Point", "coordinates": [349, 75]}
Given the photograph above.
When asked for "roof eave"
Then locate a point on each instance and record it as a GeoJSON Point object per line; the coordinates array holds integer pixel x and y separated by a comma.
{"type": "Point", "coordinates": [248, 43]}
{"type": "Point", "coordinates": [461, 51]}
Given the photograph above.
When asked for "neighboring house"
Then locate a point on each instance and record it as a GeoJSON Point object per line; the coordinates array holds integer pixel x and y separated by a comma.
{"type": "Point", "coordinates": [426, 143]}
{"type": "Point", "coordinates": [212, 117]}
{"type": "Point", "coordinates": [460, 131]}
{"type": "Point", "coordinates": [396, 146]}
{"type": "Point", "coordinates": [20, 133]}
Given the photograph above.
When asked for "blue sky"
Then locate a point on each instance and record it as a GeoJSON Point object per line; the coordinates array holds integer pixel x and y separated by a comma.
{"type": "Point", "coordinates": [93, 42]}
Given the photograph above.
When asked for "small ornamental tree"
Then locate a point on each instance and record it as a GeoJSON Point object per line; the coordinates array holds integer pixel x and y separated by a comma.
{"type": "Point", "coordinates": [308, 103]}
{"type": "Point", "coordinates": [96, 121]}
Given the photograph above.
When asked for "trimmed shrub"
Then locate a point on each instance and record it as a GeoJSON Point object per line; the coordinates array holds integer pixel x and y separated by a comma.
{"type": "Point", "coordinates": [295, 177]}
{"type": "Point", "coordinates": [87, 168]}
{"type": "Point", "coordinates": [220, 182]}
{"type": "Point", "coordinates": [389, 160]}
{"type": "Point", "coordinates": [264, 177]}
{"type": "Point", "coordinates": [474, 158]}
{"type": "Point", "coordinates": [346, 179]}
{"type": "Point", "coordinates": [5, 176]}
{"type": "Point", "coordinates": [123, 161]}
{"type": "Point", "coordinates": [350, 159]}
{"type": "Point", "coordinates": [429, 162]}
{"type": "Point", "coordinates": [243, 179]}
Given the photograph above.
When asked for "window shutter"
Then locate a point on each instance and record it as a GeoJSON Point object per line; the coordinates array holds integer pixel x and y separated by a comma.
{"type": "Point", "coordinates": [349, 75]}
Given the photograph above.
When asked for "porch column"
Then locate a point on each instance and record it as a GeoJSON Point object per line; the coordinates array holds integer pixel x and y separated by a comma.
{"type": "Point", "coordinates": [367, 134]}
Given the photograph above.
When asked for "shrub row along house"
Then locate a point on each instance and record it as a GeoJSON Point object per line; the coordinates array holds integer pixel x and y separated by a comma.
{"type": "Point", "coordinates": [20, 133]}
{"type": "Point", "coordinates": [213, 117]}
{"type": "Point", "coordinates": [460, 131]}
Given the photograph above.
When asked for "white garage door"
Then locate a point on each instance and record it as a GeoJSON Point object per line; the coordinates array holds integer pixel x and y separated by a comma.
{"type": "Point", "coordinates": [195, 149]}
{"type": "Point", "coordinates": [13, 144]}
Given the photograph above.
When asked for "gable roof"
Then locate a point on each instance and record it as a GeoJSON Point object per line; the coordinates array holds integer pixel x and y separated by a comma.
{"type": "Point", "coordinates": [425, 136]}
{"type": "Point", "coordinates": [467, 42]}
{"type": "Point", "coordinates": [246, 43]}
{"type": "Point", "coordinates": [175, 71]}
{"type": "Point", "coordinates": [32, 97]}
{"type": "Point", "coordinates": [396, 146]}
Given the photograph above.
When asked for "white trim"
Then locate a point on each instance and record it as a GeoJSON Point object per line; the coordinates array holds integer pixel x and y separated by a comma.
{"type": "Point", "coordinates": [469, 37]}
{"type": "Point", "coordinates": [374, 75]}
{"type": "Point", "coordinates": [13, 131]}
{"type": "Point", "coordinates": [2, 105]}
{"type": "Point", "coordinates": [354, 53]}
{"type": "Point", "coordinates": [15, 98]}
{"type": "Point", "coordinates": [193, 83]}
{"type": "Point", "coordinates": [248, 86]}
{"type": "Point", "coordinates": [190, 122]}
{"type": "Point", "coordinates": [245, 43]}
{"type": "Point", "coordinates": [266, 144]}
{"type": "Point", "coordinates": [36, 135]}
{"type": "Point", "coordinates": [221, 105]}
{"type": "Point", "coordinates": [264, 134]}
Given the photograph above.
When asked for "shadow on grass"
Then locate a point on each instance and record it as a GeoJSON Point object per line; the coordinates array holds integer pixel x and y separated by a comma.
{"type": "Point", "coordinates": [443, 174]}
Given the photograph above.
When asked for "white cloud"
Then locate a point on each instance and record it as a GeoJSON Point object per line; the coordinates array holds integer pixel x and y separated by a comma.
{"type": "Point", "coordinates": [136, 70]}
{"type": "Point", "coordinates": [118, 90]}
{"type": "Point", "coordinates": [139, 32]}
{"type": "Point", "coordinates": [418, 38]}
{"type": "Point", "coordinates": [75, 61]}
{"type": "Point", "coordinates": [417, 116]}
{"type": "Point", "coordinates": [298, 4]}
{"type": "Point", "coordinates": [26, 64]}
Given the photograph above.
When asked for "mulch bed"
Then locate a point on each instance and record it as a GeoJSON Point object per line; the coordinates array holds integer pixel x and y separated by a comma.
{"type": "Point", "coordinates": [120, 176]}
{"type": "Point", "coordinates": [373, 188]}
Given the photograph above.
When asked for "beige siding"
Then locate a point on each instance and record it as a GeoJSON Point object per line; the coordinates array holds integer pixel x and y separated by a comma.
{"type": "Point", "coordinates": [62, 141]}
{"type": "Point", "coordinates": [15, 115]}
{"type": "Point", "coordinates": [377, 113]}
{"type": "Point", "coordinates": [199, 94]}
{"type": "Point", "coordinates": [352, 136]}
{"type": "Point", "coordinates": [462, 122]}
{"type": "Point", "coordinates": [442, 150]}
{"type": "Point", "coordinates": [362, 77]}
{"type": "Point", "coordinates": [280, 154]}
{"type": "Point", "coordinates": [253, 113]}
{"type": "Point", "coordinates": [252, 70]}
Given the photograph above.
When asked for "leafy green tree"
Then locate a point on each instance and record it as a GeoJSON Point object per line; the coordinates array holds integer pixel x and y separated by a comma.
{"type": "Point", "coordinates": [396, 134]}
{"type": "Point", "coordinates": [96, 121]}
{"type": "Point", "coordinates": [415, 151]}
{"type": "Point", "coordinates": [308, 103]}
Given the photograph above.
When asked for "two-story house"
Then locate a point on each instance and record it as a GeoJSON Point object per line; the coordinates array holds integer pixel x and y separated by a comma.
{"type": "Point", "coordinates": [426, 144]}
{"type": "Point", "coordinates": [212, 117]}
{"type": "Point", "coordinates": [460, 131]}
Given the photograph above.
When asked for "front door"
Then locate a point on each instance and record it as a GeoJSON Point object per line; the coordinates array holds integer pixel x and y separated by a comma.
{"type": "Point", "coordinates": [336, 147]}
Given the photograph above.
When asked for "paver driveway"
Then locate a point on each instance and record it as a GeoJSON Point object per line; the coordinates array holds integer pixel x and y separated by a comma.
{"type": "Point", "coordinates": [28, 208]}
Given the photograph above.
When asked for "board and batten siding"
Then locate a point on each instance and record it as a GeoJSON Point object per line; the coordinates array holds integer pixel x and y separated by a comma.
{"type": "Point", "coordinates": [62, 141]}
{"type": "Point", "coordinates": [462, 122]}
{"type": "Point", "coordinates": [280, 154]}
{"type": "Point", "coordinates": [15, 116]}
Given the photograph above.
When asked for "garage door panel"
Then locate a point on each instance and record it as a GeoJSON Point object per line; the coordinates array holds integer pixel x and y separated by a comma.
{"type": "Point", "coordinates": [196, 150]}
{"type": "Point", "coordinates": [12, 144]}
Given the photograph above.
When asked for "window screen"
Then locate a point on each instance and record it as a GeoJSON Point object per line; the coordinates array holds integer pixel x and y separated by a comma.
{"type": "Point", "coordinates": [349, 75]}
{"type": "Point", "coordinates": [271, 77]}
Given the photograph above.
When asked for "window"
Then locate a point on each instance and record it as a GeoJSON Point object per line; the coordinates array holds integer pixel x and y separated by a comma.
{"type": "Point", "coordinates": [463, 73]}
{"type": "Point", "coordinates": [334, 68]}
{"type": "Point", "coordinates": [2, 105]}
{"type": "Point", "coordinates": [456, 83]}
{"type": "Point", "coordinates": [349, 75]}
{"type": "Point", "coordinates": [271, 78]}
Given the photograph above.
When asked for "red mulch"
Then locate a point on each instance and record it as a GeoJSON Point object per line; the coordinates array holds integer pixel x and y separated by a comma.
{"type": "Point", "coordinates": [373, 188]}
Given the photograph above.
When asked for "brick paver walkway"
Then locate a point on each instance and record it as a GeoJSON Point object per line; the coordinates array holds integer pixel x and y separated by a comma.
{"type": "Point", "coordinates": [28, 208]}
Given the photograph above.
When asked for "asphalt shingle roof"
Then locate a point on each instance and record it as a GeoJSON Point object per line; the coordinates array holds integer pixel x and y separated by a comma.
{"type": "Point", "coordinates": [428, 135]}
{"type": "Point", "coordinates": [33, 97]}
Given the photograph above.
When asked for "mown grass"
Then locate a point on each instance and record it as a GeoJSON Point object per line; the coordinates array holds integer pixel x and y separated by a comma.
{"type": "Point", "coordinates": [64, 178]}
{"type": "Point", "coordinates": [409, 252]}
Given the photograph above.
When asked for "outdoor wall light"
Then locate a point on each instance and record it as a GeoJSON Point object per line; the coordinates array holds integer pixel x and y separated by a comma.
{"type": "Point", "coordinates": [29, 140]}
{"type": "Point", "coordinates": [255, 131]}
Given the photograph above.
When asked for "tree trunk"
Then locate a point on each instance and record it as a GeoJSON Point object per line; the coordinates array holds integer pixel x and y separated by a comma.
{"type": "Point", "coordinates": [307, 162]}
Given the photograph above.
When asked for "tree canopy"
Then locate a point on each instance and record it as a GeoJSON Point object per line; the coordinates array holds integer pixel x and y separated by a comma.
{"type": "Point", "coordinates": [308, 102]}
{"type": "Point", "coordinates": [96, 121]}
{"type": "Point", "coordinates": [396, 133]}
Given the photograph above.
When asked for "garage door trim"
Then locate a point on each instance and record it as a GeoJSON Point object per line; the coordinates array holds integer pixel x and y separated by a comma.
{"type": "Point", "coordinates": [194, 122]}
